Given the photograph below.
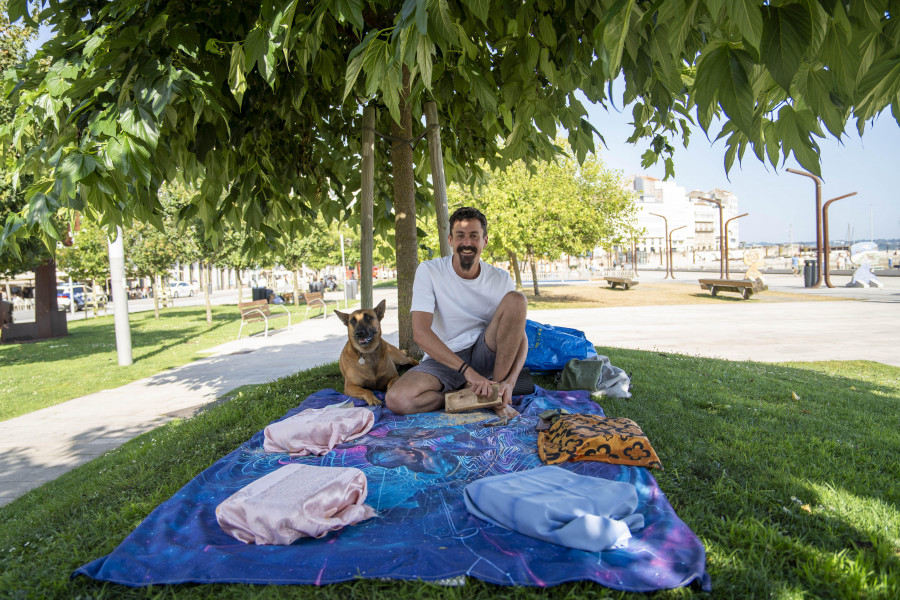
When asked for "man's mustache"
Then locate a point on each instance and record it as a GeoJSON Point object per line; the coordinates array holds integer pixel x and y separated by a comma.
{"type": "Point", "coordinates": [464, 248]}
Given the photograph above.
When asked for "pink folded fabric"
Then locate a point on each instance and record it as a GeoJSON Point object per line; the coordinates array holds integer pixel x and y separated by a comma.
{"type": "Point", "coordinates": [318, 430]}
{"type": "Point", "coordinates": [293, 502]}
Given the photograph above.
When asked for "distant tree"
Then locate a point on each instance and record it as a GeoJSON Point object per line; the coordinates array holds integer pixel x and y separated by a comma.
{"type": "Point", "coordinates": [31, 252]}
{"type": "Point", "coordinates": [152, 252]}
{"type": "Point", "coordinates": [87, 259]}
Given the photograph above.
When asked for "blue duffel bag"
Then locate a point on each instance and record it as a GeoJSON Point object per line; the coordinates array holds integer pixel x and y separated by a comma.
{"type": "Point", "coordinates": [551, 347]}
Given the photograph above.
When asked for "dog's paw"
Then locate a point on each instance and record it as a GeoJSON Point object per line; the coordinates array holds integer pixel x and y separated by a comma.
{"type": "Point", "coordinates": [371, 400]}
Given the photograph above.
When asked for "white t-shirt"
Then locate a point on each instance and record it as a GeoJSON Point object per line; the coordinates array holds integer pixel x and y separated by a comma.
{"type": "Point", "coordinates": [462, 308]}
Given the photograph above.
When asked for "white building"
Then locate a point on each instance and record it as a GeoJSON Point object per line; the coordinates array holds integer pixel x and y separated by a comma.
{"type": "Point", "coordinates": [662, 206]}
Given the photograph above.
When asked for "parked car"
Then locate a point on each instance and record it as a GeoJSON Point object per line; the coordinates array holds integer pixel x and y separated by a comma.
{"type": "Point", "coordinates": [82, 293]}
{"type": "Point", "coordinates": [178, 289]}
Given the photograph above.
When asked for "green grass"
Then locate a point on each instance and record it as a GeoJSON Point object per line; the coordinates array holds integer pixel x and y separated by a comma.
{"type": "Point", "coordinates": [793, 498]}
{"type": "Point", "coordinates": [40, 374]}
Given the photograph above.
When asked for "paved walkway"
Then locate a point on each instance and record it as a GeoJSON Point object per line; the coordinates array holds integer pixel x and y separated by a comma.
{"type": "Point", "coordinates": [42, 445]}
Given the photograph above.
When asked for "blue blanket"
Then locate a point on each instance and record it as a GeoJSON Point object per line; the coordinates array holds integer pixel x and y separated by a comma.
{"type": "Point", "coordinates": [417, 467]}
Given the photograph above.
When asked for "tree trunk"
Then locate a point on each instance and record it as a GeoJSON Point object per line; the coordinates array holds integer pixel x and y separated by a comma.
{"type": "Point", "coordinates": [516, 269]}
{"type": "Point", "coordinates": [240, 280]}
{"type": "Point", "coordinates": [296, 288]}
{"type": "Point", "coordinates": [203, 279]}
{"type": "Point", "coordinates": [156, 287]}
{"type": "Point", "coordinates": [534, 275]}
{"type": "Point", "coordinates": [405, 219]}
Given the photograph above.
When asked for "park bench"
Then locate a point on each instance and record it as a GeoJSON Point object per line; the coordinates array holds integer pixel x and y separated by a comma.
{"type": "Point", "coordinates": [317, 299]}
{"type": "Point", "coordinates": [260, 310]}
{"type": "Point", "coordinates": [623, 278]}
{"type": "Point", "coordinates": [744, 287]}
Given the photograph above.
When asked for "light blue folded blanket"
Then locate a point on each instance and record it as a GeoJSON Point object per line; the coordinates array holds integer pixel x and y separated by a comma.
{"type": "Point", "coordinates": [552, 504]}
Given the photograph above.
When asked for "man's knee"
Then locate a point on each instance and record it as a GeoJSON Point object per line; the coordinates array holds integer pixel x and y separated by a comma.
{"type": "Point", "coordinates": [515, 303]}
{"type": "Point", "coordinates": [398, 400]}
{"type": "Point", "coordinates": [405, 396]}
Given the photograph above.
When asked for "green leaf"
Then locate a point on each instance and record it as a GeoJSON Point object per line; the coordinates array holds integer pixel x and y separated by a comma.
{"type": "Point", "coordinates": [19, 9]}
{"type": "Point", "coordinates": [140, 123]}
{"type": "Point", "coordinates": [424, 49]}
{"type": "Point", "coordinates": [746, 15]}
{"type": "Point", "coordinates": [237, 80]}
{"type": "Point", "coordinates": [485, 92]}
{"type": "Point", "coordinates": [480, 8]}
{"type": "Point", "coordinates": [787, 33]}
{"type": "Point", "coordinates": [546, 31]}
{"type": "Point", "coordinates": [879, 86]}
{"type": "Point", "coordinates": [792, 128]}
{"type": "Point", "coordinates": [422, 17]}
{"type": "Point", "coordinates": [724, 75]}
{"type": "Point", "coordinates": [256, 47]}
{"type": "Point", "coordinates": [76, 166]}
{"type": "Point", "coordinates": [816, 88]}
{"type": "Point", "coordinates": [353, 69]}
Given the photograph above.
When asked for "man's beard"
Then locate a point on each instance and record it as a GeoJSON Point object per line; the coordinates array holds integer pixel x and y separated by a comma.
{"type": "Point", "coordinates": [466, 262]}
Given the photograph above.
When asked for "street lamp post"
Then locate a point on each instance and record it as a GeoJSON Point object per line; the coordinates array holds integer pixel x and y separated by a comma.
{"type": "Point", "coordinates": [826, 237]}
{"type": "Point", "coordinates": [671, 262]}
{"type": "Point", "coordinates": [721, 236]}
{"type": "Point", "coordinates": [665, 240]}
{"type": "Point", "coordinates": [818, 183]}
{"type": "Point", "coordinates": [727, 274]}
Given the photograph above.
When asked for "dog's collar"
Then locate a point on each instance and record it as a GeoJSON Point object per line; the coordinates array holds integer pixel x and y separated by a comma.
{"type": "Point", "coordinates": [361, 360]}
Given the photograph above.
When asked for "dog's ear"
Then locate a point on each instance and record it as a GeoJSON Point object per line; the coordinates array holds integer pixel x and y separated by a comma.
{"type": "Point", "coordinates": [344, 317]}
{"type": "Point", "coordinates": [379, 310]}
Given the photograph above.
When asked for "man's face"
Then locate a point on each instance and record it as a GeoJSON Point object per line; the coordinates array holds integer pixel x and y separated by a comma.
{"type": "Point", "coordinates": [467, 240]}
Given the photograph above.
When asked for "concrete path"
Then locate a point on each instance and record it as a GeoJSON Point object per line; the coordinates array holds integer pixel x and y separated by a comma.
{"type": "Point", "coordinates": [40, 446]}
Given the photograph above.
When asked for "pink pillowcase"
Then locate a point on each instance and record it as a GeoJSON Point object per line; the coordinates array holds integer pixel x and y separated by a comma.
{"type": "Point", "coordinates": [293, 502]}
{"type": "Point", "coordinates": [318, 430]}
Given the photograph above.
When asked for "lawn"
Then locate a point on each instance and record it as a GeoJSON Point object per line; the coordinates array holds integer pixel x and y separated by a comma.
{"type": "Point", "coordinates": [40, 374]}
{"type": "Point", "coordinates": [788, 473]}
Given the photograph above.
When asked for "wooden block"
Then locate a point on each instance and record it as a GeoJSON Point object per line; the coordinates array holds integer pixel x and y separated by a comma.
{"type": "Point", "coordinates": [465, 399]}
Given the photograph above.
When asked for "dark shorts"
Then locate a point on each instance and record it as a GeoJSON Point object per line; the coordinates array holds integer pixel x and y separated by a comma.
{"type": "Point", "coordinates": [479, 356]}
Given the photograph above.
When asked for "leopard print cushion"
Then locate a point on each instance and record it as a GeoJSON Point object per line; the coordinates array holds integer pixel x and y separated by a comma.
{"type": "Point", "coordinates": [592, 437]}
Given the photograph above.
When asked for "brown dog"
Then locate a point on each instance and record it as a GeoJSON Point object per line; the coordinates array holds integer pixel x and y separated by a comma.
{"type": "Point", "coordinates": [368, 362]}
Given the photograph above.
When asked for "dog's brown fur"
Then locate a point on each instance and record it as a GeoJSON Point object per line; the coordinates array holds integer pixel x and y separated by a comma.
{"type": "Point", "coordinates": [380, 359]}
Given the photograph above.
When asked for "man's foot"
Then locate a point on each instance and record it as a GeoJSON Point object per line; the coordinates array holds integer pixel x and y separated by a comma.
{"type": "Point", "coordinates": [506, 411]}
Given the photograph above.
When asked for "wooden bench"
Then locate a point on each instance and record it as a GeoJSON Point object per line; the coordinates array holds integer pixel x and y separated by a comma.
{"type": "Point", "coordinates": [744, 287]}
{"type": "Point", "coordinates": [619, 277]}
{"type": "Point", "coordinates": [260, 310]}
{"type": "Point", "coordinates": [625, 282]}
{"type": "Point", "coordinates": [317, 299]}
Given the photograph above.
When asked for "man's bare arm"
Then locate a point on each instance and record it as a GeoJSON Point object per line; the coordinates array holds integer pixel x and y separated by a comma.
{"type": "Point", "coordinates": [432, 345]}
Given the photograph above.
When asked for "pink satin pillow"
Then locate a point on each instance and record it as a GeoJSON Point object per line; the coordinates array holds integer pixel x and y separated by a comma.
{"type": "Point", "coordinates": [318, 430]}
{"type": "Point", "coordinates": [293, 502]}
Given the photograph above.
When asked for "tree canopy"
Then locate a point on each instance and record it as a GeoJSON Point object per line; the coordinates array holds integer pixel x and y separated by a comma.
{"type": "Point", "coordinates": [256, 104]}
{"type": "Point", "coordinates": [13, 40]}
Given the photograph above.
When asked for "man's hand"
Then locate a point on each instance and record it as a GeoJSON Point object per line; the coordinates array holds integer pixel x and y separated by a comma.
{"type": "Point", "coordinates": [479, 384]}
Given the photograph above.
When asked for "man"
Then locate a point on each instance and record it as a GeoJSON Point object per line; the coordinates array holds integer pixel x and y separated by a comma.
{"type": "Point", "coordinates": [470, 322]}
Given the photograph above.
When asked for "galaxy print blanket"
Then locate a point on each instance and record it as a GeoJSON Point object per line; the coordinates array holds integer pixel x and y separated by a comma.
{"type": "Point", "coordinates": [417, 467]}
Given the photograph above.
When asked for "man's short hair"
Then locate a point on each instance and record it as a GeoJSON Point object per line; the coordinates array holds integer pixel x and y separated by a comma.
{"type": "Point", "coordinates": [467, 213]}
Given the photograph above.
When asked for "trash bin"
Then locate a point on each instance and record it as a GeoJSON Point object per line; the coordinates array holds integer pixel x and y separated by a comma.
{"type": "Point", "coordinates": [350, 289]}
{"type": "Point", "coordinates": [809, 273]}
{"type": "Point", "coordinates": [259, 293]}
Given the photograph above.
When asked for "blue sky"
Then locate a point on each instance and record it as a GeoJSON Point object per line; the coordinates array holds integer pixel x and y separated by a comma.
{"type": "Point", "coordinates": [779, 201]}
{"type": "Point", "coordinates": [781, 205]}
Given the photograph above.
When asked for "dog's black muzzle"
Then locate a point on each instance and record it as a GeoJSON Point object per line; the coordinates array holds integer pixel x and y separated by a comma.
{"type": "Point", "coordinates": [364, 335]}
